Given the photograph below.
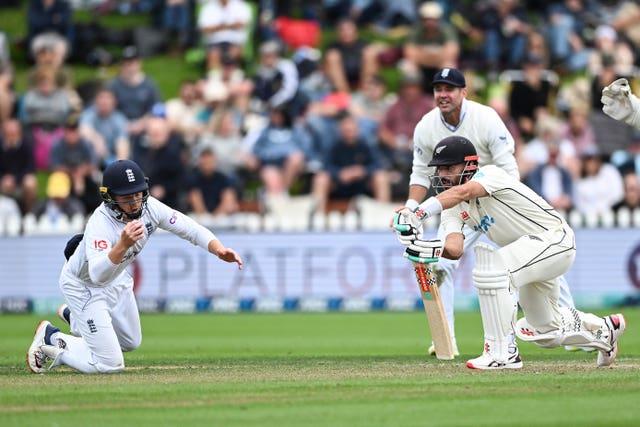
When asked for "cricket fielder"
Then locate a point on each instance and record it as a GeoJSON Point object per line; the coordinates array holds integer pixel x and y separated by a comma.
{"type": "Point", "coordinates": [536, 246]}
{"type": "Point", "coordinates": [95, 282]}
{"type": "Point", "coordinates": [456, 115]}
{"type": "Point", "coordinates": [620, 104]}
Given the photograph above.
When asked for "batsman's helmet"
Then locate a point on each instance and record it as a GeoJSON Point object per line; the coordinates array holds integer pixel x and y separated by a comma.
{"type": "Point", "coordinates": [453, 150]}
{"type": "Point", "coordinates": [121, 178]}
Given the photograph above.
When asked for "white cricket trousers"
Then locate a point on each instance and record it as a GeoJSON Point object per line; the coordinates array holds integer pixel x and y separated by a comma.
{"type": "Point", "coordinates": [449, 268]}
{"type": "Point", "coordinates": [105, 322]}
{"type": "Point", "coordinates": [535, 263]}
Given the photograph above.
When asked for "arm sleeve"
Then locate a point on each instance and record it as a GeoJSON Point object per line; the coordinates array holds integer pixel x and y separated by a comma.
{"type": "Point", "coordinates": [501, 144]}
{"type": "Point", "coordinates": [422, 153]}
{"type": "Point", "coordinates": [98, 242]}
{"type": "Point", "coordinates": [181, 225]}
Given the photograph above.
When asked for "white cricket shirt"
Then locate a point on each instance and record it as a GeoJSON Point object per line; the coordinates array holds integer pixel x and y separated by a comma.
{"type": "Point", "coordinates": [511, 210]}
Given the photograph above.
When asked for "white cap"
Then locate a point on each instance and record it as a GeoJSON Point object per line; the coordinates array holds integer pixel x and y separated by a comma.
{"type": "Point", "coordinates": [431, 9]}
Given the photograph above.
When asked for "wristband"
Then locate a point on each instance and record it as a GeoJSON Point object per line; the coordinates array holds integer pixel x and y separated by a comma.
{"type": "Point", "coordinates": [428, 208]}
{"type": "Point", "coordinates": [412, 204]}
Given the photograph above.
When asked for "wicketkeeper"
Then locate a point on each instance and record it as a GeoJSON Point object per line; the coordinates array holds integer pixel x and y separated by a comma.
{"type": "Point", "coordinates": [536, 247]}
{"type": "Point", "coordinates": [620, 104]}
{"type": "Point", "coordinates": [100, 305]}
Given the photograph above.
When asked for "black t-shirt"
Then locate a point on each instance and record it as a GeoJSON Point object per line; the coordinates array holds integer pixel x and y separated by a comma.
{"type": "Point", "coordinates": [211, 187]}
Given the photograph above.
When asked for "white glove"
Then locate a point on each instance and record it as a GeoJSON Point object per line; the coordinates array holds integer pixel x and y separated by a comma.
{"type": "Point", "coordinates": [619, 103]}
{"type": "Point", "coordinates": [424, 251]}
{"type": "Point", "coordinates": [407, 226]}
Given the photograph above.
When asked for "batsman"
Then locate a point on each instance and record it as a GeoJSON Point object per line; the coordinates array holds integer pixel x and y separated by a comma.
{"type": "Point", "coordinates": [536, 247]}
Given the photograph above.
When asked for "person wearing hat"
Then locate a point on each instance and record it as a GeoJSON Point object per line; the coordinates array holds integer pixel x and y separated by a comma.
{"type": "Point", "coordinates": [455, 115]}
{"type": "Point", "coordinates": [432, 44]}
{"type": "Point", "coordinates": [101, 307]}
{"type": "Point", "coordinates": [59, 200]}
{"type": "Point", "coordinates": [135, 92]}
{"type": "Point", "coordinates": [535, 246]}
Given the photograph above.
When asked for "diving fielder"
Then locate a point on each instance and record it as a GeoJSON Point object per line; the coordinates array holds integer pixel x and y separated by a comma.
{"type": "Point", "coordinates": [97, 287]}
{"type": "Point", "coordinates": [536, 245]}
{"type": "Point", "coordinates": [456, 115]}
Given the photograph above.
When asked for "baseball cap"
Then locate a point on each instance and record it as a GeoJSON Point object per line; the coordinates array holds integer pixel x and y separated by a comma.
{"type": "Point", "coordinates": [58, 185]}
{"type": "Point", "coordinates": [451, 76]}
{"type": "Point", "coordinates": [431, 9]}
{"type": "Point", "coordinates": [129, 53]}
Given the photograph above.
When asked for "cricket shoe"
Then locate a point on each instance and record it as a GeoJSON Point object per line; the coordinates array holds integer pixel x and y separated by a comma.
{"type": "Point", "coordinates": [432, 349]}
{"type": "Point", "coordinates": [64, 313]}
{"type": "Point", "coordinates": [616, 324]}
{"type": "Point", "coordinates": [486, 362]}
{"type": "Point", "coordinates": [36, 358]}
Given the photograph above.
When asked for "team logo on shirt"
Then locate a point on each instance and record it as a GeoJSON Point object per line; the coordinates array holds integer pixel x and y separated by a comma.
{"type": "Point", "coordinates": [485, 223]}
{"type": "Point", "coordinates": [465, 215]}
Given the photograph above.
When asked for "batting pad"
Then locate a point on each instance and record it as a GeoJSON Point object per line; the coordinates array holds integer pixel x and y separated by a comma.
{"type": "Point", "coordinates": [497, 308]}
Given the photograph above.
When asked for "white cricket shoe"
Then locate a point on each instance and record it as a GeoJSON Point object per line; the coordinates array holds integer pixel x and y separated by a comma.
{"type": "Point", "coordinates": [432, 349]}
{"type": "Point", "coordinates": [486, 362]}
{"type": "Point", "coordinates": [36, 359]}
{"type": "Point", "coordinates": [616, 324]}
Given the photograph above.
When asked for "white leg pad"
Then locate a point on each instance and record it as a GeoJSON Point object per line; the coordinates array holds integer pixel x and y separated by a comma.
{"type": "Point", "coordinates": [579, 329]}
{"type": "Point", "coordinates": [497, 307]}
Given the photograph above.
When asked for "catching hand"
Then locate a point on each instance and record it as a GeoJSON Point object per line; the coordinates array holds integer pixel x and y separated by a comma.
{"type": "Point", "coordinates": [619, 103]}
{"type": "Point", "coordinates": [406, 225]}
{"type": "Point", "coordinates": [424, 251]}
{"type": "Point", "coordinates": [229, 255]}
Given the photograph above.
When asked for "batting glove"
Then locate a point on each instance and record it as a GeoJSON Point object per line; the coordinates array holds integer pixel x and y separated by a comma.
{"type": "Point", "coordinates": [620, 104]}
{"type": "Point", "coordinates": [424, 251]}
{"type": "Point", "coordinates": [407, 226]}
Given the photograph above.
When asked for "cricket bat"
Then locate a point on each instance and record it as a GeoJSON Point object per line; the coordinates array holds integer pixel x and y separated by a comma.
{"type": "Point", "coordinates": [434, 308]}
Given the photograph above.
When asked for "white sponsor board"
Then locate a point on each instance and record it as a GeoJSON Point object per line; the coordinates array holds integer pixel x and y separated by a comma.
{"type": "Point", "coordinates": [355, 265]}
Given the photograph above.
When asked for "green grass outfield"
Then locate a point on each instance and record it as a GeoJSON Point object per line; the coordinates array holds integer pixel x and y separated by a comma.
{"type": "Point", "coordinates": [333, 369]}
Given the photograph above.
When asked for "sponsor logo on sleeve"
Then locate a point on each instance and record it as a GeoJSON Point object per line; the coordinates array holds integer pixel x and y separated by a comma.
{"type": "Point", "coordinates": [173, 218]}
{"type": "Point", "coordinates": [100, 244]}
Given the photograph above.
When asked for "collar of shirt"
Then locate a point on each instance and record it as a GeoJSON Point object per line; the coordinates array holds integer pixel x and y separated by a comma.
{"type": "Point", "coordinates": [463, 112]}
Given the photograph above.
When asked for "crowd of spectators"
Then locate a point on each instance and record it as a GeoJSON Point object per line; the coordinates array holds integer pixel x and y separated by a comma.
{"type": "Point", "coordinates": [333, 119]}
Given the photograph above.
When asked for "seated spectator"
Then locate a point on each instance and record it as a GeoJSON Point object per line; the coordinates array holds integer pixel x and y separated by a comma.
{"type": "Point", "coordinates": [548, 133]}
{"type": "Point", "coordinates": [183, 112]}
{"type": "Point", "coordinates": [567, 31]}
{"type": "Point", "coordinates": [349, 60]}
{"type": "Point", "coordinates": [8, 209]}
{"type": "Point", "coordinates": [505, 28]}
{"type": "Point", "coordinates": [431, 45]}
{"type": "Point", "coordinates": [351, 168]}
{"type": "Point", "coordinates": [276, 83]}
{"type": "Point", "coordinates": [74, 156]}
{"type": "Point", "coordinates": [530, 98]}
{"type": "Point", "coordinates": [369, 105]}
{"type": "Point", "coordinates": [43, 112]}
{"type": "Point", "coordinates": [211, 191]}
{"type": "Point", "coordinates": [8, 96]}
{"type": "Point", "coordinates": [161, 154]}
{"type": "Point", "coordinates": [224, 29]}
{"type": "Point", "coordinates": [136, 93]}
{"type": "Point", "coordinates": [551, 180]}
{"type": "Point", "coordinates": [17, 177]}
{"type": "Point", "coordinates": [396, 131]}
{"type": "Point", "coordinates": [631, 199]}
{"type": "Point", "coordinates": [578, 129]}
{"type": "Point", "coordinates": [599, 186]}
{"type": "Point", "coordinates": [280, 151]}
{"type": "Point", "coordinates": [105, 128]}
{"type": "Point", "coordinates": [610, 52]}
{"type": "Point", "coordinates": [59, 200]}
{"type": "Point", "coordinates": [225, 140]}
{"type": "Point", "coordinates": [50, 50]}
{"type": "Point", "coordinates": [49, 16]}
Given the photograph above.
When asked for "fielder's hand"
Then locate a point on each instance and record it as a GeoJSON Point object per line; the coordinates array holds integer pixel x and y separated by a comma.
{"type": "Point", "coordinates": [407, 226]}
{"type": "Point", "coordinates": [424, 251]}
{"type": "Point", "coordinates": [620, 104]}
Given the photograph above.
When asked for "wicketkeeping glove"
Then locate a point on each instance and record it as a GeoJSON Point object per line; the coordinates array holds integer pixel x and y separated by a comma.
{"type": "Point", "coordinates": [407, 226]}
{"type": "Point", "coordinates": [424, 251]}
{"type": "Point", "coordinates": [620, 104]}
